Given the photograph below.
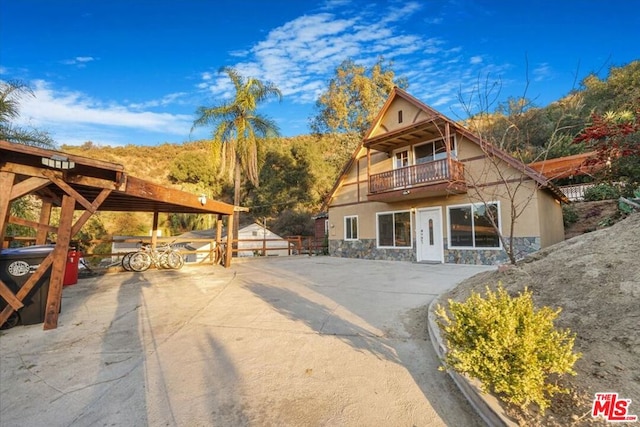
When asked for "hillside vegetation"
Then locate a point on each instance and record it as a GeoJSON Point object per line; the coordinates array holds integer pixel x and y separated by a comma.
{"type": "Point", "coordinates": [295, 177]}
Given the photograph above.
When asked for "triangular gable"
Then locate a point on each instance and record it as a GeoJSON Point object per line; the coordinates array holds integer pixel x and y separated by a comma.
{"type": "Point", "coordinates": [413, 111]}
{"type": "Point", "coordinates": [418, 113]}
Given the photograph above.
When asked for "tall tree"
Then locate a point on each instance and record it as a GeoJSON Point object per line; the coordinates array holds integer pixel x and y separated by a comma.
{"type": "Point", "coordinates": [10, 94]}
{"type": "Point", "coordinates": [619, 91]}
{"type": "Point", "coordinates": [238, 127]}
{"type": "Point", "coordinates": [354, 96]}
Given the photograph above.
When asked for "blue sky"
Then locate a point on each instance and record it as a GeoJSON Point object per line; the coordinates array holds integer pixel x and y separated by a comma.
{"type": "Point", "coordinates": [123, 72]}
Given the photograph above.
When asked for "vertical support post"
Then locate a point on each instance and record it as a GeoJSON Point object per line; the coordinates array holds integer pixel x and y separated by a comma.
{"type": "Point", "coordinates": [154, 231]}
{"type": "Point", "coordinates": [59, 255]}
{"type": "Point", "coordinates": [368, 169]}
{"type": "Point", "coordinates": [227, 261]}
{"type": "Point", "coordinates": [447, 146]}
{"type": "Point", "coordinates": [219, 230]}
{"type": "Point", "coordinates": [45, 219]}
{"type": "Point", "coordinates": [358, 179]}
{"type": "Point", "coordinates": [218, 239]}
{"type": "Point", "coordinates": [6, 183]}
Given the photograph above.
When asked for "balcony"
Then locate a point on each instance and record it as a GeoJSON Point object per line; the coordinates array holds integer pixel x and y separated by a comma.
{"type": "Point", "coordinates": [422, 180]}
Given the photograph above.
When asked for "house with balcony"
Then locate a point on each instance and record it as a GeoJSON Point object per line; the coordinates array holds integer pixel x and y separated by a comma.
{"type": "Point", "coordinates": [421, 187]}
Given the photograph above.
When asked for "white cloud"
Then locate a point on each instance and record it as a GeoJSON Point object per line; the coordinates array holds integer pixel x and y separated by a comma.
{"type": "Point", "coordinates": [301, 55]}
{"type": "Point", "coordinates": [542, 72]}
{"type": "Point", "coordinates": [170, 99]}
{"type": "Point", "coordinates": [71, 116]}
{"type": "Point", "coordinates": [78, 61]}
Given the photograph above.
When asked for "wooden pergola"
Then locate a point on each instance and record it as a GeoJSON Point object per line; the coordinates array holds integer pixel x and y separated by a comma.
{"type": "Point", "coordinates": [77, 183]}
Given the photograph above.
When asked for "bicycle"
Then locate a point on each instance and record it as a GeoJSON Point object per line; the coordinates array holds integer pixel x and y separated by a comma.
{"type": "Point", "coordinates": [161, 257]}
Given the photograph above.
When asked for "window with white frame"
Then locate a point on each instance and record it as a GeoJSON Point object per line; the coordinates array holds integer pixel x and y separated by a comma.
{"type": "Point", "coordinates": [351, 227]}
{"type": "Point", "coordinates": [433, 150]}
{"type": "Point", "coordinates": [471, 226]}
{"type": "Point", "coordinates": [394, 229]}
{"type": "Point", "coordinates": [401, 159]}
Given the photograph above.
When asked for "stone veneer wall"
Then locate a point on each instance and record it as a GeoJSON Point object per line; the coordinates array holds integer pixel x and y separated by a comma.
{"type": "Point", "coordinates": [366, 249]}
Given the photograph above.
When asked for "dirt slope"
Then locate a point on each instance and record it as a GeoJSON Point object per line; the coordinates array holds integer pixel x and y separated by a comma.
{"type": "Point", "coordinates": [595, 279]}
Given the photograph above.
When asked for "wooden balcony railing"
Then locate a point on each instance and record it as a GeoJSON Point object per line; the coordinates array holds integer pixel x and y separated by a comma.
{"type": "Point", "coordinates": [419, 175]}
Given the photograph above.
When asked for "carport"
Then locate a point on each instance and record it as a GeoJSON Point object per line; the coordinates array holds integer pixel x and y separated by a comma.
{"type": "Point", "coordinates": [76, 183]}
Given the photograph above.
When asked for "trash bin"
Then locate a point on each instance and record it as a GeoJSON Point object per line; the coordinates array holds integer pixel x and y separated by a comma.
{"type": "Point", "coordinates": [71, 269]}
{"type": "Point", "coordinates": [16, 266]}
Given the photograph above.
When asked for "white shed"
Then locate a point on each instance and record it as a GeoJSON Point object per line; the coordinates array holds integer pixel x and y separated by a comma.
{"type": "Point", "coordinates": [252, 240]}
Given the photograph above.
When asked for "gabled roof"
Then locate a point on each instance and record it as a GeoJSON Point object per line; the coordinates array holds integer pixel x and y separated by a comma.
{"type": "Point", "coordinates": [564, 167]}
{"type": "Point", "coordinates": [427, 128]}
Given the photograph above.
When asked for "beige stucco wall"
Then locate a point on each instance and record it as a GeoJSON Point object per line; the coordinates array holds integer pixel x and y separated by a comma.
{"type": "Point", "coordinates": [410, 114]}
{"type": "Point", "coordinates": [551, 224]}
{"type": "Point", "coordinates": [527, 224]}
{"type": "Point", "coordinates": [535, 220]}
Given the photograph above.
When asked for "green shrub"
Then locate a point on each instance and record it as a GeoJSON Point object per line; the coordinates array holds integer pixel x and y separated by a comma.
{"type": "Point", "coordinates": [569, 215]}
{"type": "Point", "coordinates": [601, 192]}
{"type": "Point", "coordinates": [511, 347]}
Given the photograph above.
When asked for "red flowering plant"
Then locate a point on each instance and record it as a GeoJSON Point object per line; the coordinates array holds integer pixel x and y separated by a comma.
{"type": "Point", "coordinates": [615, 137]}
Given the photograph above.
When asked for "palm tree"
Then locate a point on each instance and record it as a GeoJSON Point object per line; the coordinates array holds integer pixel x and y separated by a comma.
{"type": "Point", "coordinates": [239, 128]}
{"type": "Point", "coordinates": [10, 94]}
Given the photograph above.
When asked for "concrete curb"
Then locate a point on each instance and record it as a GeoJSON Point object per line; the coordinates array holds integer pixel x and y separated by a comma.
{"type": "Point", "coordinates": [487, 406]}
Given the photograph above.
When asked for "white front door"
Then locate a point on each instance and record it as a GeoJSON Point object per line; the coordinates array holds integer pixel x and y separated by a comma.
{"type": "Point", "coordinates": [429, 235]}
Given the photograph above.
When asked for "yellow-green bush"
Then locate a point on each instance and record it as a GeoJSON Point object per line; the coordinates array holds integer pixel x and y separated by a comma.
{"type": "Point", "coordinates": [511, 347]}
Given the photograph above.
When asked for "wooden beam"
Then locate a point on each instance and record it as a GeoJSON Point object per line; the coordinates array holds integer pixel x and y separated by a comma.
{"type": "Point", "coordinates": [27, 287]}
{"type": "Point", "coordinates": [42, 152]}
{"type": "Point", "coordinates": [9, 297]}
{"type": "Point", "coordinates": [219, 229]}
{"type": "Point", "coordinates": [218, 237]}
{"type": "Point", "coordinates": [52, 197]}
{"type": "Point", "coordinates": [53, 176]}
{"type": "Point", "coordinates": [98, 182]}
{"type": "Point", "coordinates": [20, 169]}
{"type": "Point", "coordinates": [227, 261]}
{"type": "Point", "coordinates": [59, 256]}
{"type": "Point", "coordinates": [32, 224]}
{"type": "Point", "coordinates": [6, 182]}
{"type": "Point", "coordinates": [45, 219]}
{"type": "Point", "coordinates": [147, 190]}
{"type": "Point", "coordinates": [447, 144]}
{"type": "Point", "coordinates": [87, 214]}
{"type": "Point", "coordinates": [26, 170]}
{"type": "Point", "coordinates": [154, 231]}
{"type": "Point", "coordinates": [27, 186]}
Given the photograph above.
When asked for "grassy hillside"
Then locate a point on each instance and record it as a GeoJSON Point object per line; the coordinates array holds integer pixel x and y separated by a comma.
{"type": "Point", "coordinates": [295, 177]}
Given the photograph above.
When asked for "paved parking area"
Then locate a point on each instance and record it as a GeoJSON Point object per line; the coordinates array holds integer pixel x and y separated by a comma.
{"type": "Point", "coordinates": [298, 341]}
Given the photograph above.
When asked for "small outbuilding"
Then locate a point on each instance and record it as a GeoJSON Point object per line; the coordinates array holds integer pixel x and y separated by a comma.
{"type": "Point", "coordinates": [253, 240]}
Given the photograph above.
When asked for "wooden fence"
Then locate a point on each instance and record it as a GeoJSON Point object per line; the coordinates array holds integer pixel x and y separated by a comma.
{"type": "Point", "coordinates": [213, 252]}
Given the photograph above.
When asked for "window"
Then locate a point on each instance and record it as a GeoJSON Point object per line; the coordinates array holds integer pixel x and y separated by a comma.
{"type": "Point", "coordinates": [400, 116]}
{"type": "Point", "coordinates": [394, 229]}
{"type": "Point", "coordinates": [434, 150]}
{"type": "Point", "coordinates": [470, 226]}
{"type": "Point", "coordinates": [402, 159]}
{"type": "Point", "coordinates": [350, 228]}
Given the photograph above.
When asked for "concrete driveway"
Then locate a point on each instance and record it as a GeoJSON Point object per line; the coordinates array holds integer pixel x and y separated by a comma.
{"type": "Point", "coordinates": [296, 341]}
